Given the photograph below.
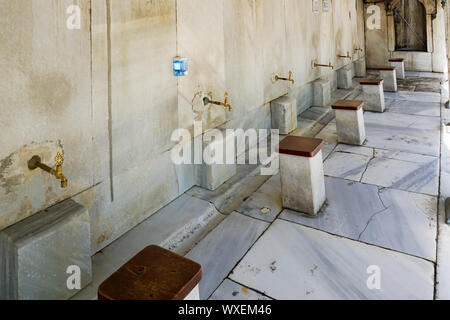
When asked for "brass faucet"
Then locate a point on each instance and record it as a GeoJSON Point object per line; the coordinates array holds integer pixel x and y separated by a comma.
{"type": "Point", "coordinates": [329, 65]}
{"type": "Point", "coordinates": [359, 49]}
{"type": "Point", "coordinates": [286, 79]}
{"type": "Point", "coordinates": [225, 104]}
{"type": "Point", "coordinates": [348, 56]}
{"type": "Point", "coordinates": [35, 162]}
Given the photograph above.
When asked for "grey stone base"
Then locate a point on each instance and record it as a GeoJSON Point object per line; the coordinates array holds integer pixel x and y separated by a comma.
{"type": "Point", "coordinates": [350, 127]}
{"type": "Point", "coordinates": [360, 68]}
{"type": "Point", "coordinates": [284, 114]}
{"type": "Point", "coordinates": [322, 93]}
{"type": "Point", "coordinates": [344, 77]}
{"type": "Point", "coordinates": [374, 98]}
{"type": "Point", "coordinates": [302, 183]}
{"type": "Point", "coordinates": [212, 175]}
{"type": "Point", "coordinates": [399, 68]}
{"type": "Point", "coordinates": [390, 80]}
{"type": "Point", "coordinates": [37, 252]}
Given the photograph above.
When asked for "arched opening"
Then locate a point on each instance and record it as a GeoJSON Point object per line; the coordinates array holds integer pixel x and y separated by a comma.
{"type": "Point", "coordinates": [410, 26]}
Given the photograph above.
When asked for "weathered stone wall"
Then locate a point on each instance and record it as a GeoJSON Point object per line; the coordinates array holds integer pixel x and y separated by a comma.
{"type": "Point", "coordinates": [106, 97]}
{"type": "Point", "coordinates": [380, 43]}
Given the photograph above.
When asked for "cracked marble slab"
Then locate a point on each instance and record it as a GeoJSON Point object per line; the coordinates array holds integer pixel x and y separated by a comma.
{"type": "Point", "coordinates": [385, 168]}
{"type": "Point", "coordinates": [295, 262]}
{"type": "Point", "coordinates": [221, 249]}
{"type": "Point", "coordinates": [348, 166]}
{"type": "Point", "coordinates": [404, 175]}
{"type": "Point", "coordinates": [393, 219]}
{"type": "Point", "coordinates": [230, 290]}
{"type": "Point", "coordinates": [266, 202]}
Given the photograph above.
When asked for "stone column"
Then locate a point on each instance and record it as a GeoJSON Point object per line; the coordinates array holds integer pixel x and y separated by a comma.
{"type": "Point", "coordinates": [350, 121]}
{"type": "Point", "coordinates": [373, 94]}
{"type": "Point", "coordinates": [302, 176]}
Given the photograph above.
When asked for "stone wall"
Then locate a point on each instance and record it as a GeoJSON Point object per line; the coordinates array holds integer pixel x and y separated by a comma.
{"type": "Point", "coordinates": [380, 42]}
{"type": "Point", "coordinates": [105, 95]}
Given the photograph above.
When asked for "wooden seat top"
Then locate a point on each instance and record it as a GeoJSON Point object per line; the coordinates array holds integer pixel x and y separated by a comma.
{"type": "Point", "coordinates": [396, 60]}
{"type": "Point", "coordinates": [348, 105]}
{"type": "Point", "coordinates": [153, 274]}
{"type": "Point", "coordinates": [386, 68]}
{"type": "Point", "coordinates": [300, 146]}
{"type": "Point", "coordinates": [374, 82]}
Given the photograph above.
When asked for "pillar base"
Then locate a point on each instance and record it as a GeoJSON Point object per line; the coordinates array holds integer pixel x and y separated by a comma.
{"type": "Point", "coordinates": [302, 175]}
{"type": "Point", "coordinates": [373, 94]}
{"type": "Point", "coordinates": [389, 75]}
{"type": "Point", "coordinates": [322, 93]}
{"type": "Point", "coordinates": [350, 122]}
{"type": "Point", "coordinates": [284, 114]}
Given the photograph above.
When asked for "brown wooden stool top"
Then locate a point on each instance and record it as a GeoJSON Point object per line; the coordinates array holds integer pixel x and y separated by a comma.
{"type": "Point", "coordinates": [153, 274]}
{"type": "Point", "coordinates": [396, 60]}
{"type": "Point", "coordinates": [373, 82]}
{"type": "Point", "coordinates": [386, 68]}
{"type": "Point", "coordinates": [348, 105]}
{"type": "Point", "coordinates": [300, 146]}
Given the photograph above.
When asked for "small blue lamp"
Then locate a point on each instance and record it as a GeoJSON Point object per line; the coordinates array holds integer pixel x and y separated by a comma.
{"type": "Point", "coordinates": [180, 67]}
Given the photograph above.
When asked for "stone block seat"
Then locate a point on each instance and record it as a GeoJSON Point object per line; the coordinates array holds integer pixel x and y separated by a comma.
{"type": "Point", "coordinates": [154, 274]}
{"type": "Point", "coordinates": [302, 175]}
{"type": "Point", "coordinates": [42, 255]}
{"type": "Point", "coordinates": [389, 75]}
{"type": "Point", "coordinates": [284, 114]}
{"type": "Point", "coordinates": [373, 94]}
{"type": "Point", "coordinates": [344, 77]}
{"type": "Point", "coordinates": [399, 64]}
{"type": "Point", "coordinates": [350, 121]}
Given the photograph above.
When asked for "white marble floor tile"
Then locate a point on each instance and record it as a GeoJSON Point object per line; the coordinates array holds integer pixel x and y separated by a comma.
{"type": "Point", "coordinates": [414, 96]}
{"type": "Point", "coordinates": [266, 202]}
{"type": "Point", "coordinates": [443, 256]}
{"type": "Point", "coordinates": [402, 139]}
{"type": "Point", "coordinates": [230, 290]}
{"type": "Point", "coordinates": [346, 165]}
{"type": "Point", "coordinates": [421, 108]}
{"type": "Point", "coordinates": [294, 262]}
{"type": "Point", "coordinates": [404, 175]}
{"type": "Point", "coordinates": [393, 219]}
{"type": "Point", "coordinates": [409, 224]}
{"type": "Point", "coordinates": [364, 151]}
{"type": "Point", "coordinates": [221, 249]}
{"type": "Point", "coordinates": [406, 121]}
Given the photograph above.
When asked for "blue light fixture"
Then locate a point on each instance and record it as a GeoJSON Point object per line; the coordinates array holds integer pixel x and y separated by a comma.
{"type": "Point", "coordinates": [180, 67]}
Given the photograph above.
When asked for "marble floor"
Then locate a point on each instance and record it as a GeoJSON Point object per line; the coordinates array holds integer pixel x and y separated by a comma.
{"type": "Point", "coordinates": [380, 235]}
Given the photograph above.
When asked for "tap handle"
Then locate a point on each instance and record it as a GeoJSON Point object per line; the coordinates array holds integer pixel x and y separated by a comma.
{"type": "Point", "coordinates": [59, 159]}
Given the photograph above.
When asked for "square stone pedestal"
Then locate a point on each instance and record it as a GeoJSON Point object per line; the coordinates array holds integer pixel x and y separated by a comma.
{"type": "Point", "coordinates": [344, 77]}
{"type": "Point", "coordinates": [284, 114]}
{"type": "Point", "coordinates": [399, 65]}
{"type": "Point", "coordinates": [154, 274]}
{"type": "Point", "coordinates": [322, 93]}
{"type": "Point", "coordinates": [389, 75]}
{"type": "Point", "coordinates": [302, 176]}
{"type": "Point", "coordinates": [360, 68]}
{"type": "Point", "coordinates": [373, 94]}
{"type": "Point", "coordinates": [40, 253]}
{"type": "Point", "coordinates": [212, 174]}
{"type": "Point", "coordinates": [350, 122]}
